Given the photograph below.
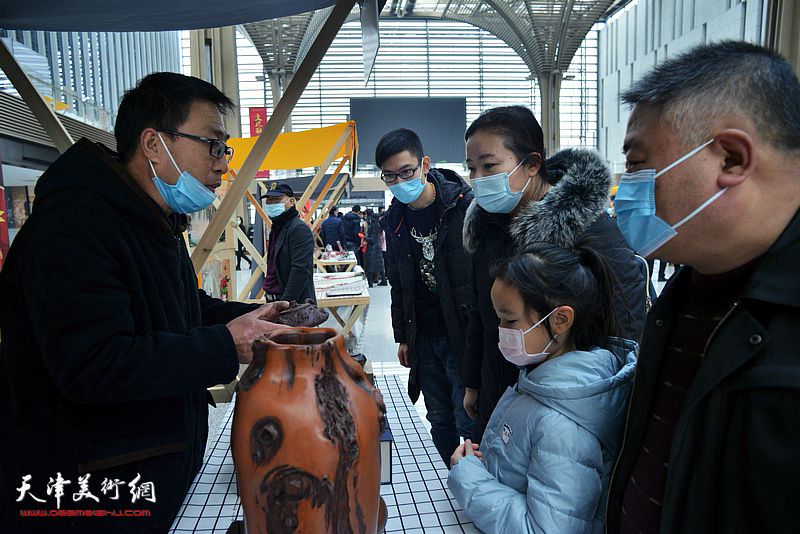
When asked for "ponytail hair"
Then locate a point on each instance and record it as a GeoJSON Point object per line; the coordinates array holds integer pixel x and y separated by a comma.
{"type": "Point", "coordinates": [548, 276]}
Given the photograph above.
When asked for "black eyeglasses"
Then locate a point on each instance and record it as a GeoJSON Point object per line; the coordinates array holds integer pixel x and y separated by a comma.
{"type": "Point", "coordinates": [216, 148]}
{"type": "Point", "coordinates": [391, 177]}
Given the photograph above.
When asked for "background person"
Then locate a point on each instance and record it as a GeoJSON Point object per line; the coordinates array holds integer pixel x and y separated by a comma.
{"type": "Point", "coordinates": [352, 226]}
{"type": "Point", "coordinates": [240, 251]}
{"type": "Point", "coordinates": [290, 249]}
{"type": "Point", "coordinates": [108, 346]}
{"type": "Point", "coordinates": [711, 437]}
{"type": "Point", "coordinates": [549, 448]}
{"type": "Point", "coordinates": [429, 272]}
{"type": "Point", "coordinates": [374, 256]}
{"type": "Point", "coordinates": [332, 230]}
{"type": "Point", "coordinates": [519, 199]}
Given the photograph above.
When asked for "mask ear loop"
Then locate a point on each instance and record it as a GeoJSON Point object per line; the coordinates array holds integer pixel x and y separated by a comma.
{"type": "Point", "coordinates": [684, 158]}
{"type": "Point", "coordinates": [168, 153]}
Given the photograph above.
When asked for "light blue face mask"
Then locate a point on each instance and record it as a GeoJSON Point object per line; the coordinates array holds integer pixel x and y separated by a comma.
{"type": "Point", "coordinates": [409, 191]}
{"type": "Point", "coordinates": [635, 205]}
{"type": "Point", "coordinates": [186, 196]}
{"type": "Point", "coordinates": [493, 193]}
{"type": "Point", "coordinates": [274, 210]}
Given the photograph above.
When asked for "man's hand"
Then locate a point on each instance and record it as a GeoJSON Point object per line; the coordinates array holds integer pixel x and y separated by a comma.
{"type": "Point", "coordinates": [403, 355]}
{"type": "Point", "coordinates": [471, 402]}
{"type": "Point", "coordinates": [465, 449]}
{"type": "Point", "coordinates": [248, 327]}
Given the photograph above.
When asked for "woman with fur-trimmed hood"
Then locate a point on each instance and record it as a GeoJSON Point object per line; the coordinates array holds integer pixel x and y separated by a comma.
{"type": "Point", "coordinates": [521, 199]}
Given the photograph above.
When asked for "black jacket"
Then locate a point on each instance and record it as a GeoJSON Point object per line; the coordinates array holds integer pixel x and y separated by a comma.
{"type": "Point", "coordinates": [574, 207]}
{"type": "Point", "coordinates": [294, 258]}
{"type": "Point", "coordinates": [331, 231]}
{"type": "Point", "coordinates": [451, 268]}
{"type": "Point", "coordinates": [734, 462]}
{"type": "Point", "coordinates": [107, 347]}
{"type": "Point", "coordinates": [352, 226]}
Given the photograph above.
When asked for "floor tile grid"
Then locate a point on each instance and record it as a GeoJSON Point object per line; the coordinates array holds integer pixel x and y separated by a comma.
{"type": "Point", "coordinates": [418, 499]}
{"type": "Point", "coordinates": [212, 503]}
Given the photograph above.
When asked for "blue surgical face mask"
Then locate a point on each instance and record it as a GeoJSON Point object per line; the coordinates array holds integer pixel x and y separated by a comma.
{"type": "Point", "coordinates": [186, 196]}
{"type": "Point", "coordinates": [635, 205]}
{"type": "Point", "coordinates": [493, 193]}
{"type": "Point", "coordinates": [408, 191]}
{"type": "Point", "coordinates": [274, 210]}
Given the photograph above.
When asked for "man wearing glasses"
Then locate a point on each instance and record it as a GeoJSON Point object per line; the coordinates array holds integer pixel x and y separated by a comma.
{"type": "Point", "coordinates": [108, 347]}
{"type": "Point", "coordinates": [430, 273]}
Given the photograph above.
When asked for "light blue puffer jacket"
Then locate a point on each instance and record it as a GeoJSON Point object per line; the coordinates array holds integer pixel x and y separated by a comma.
{"type": "Point", "coordinates": [549, 447]}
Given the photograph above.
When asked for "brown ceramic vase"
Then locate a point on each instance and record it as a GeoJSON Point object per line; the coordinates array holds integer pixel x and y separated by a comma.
{"type": "Point", "coordinates": [306, 437]}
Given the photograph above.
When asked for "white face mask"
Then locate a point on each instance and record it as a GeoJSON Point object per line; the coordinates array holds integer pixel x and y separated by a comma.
{"type": "Point", "coordinates": [512, 345]}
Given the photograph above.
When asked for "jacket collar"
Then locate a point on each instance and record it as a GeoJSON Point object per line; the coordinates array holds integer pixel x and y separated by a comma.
{"type": "Point", "coordinates": [776, 278]}
{"type": "Point", "coordinates": [583, 182]}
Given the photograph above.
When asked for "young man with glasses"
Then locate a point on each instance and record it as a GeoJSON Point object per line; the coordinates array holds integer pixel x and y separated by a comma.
{"type": "Point", "coordinates": [430, 275]}
{"type": "Point", "coordinates": [108, 345]}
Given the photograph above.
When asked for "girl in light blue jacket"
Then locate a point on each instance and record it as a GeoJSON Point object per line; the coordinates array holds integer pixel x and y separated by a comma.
{"type": "Point", "coordinates": [546, 457]}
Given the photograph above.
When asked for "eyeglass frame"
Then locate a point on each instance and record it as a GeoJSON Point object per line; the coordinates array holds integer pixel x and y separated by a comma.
{"type": "Point", "coordinates": [398, 175]}
{"type": "Point", "coordinates": [227, 151]}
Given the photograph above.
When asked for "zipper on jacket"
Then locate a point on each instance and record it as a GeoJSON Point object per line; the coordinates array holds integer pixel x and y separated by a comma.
{"type": "Point", "coordinates": [622, 446]}
{"type": "Point", "coordinates": [178, 244]}
{"type": "Point", "coordinates": [630, 398]}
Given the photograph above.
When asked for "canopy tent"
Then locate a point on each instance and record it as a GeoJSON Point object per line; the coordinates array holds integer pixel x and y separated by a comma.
{"type": "Point", "coordinates": [319, 147]}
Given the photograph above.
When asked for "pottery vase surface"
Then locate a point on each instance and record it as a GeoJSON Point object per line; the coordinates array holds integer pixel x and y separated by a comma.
{"type": "Point", "coordinates": [306, 437]}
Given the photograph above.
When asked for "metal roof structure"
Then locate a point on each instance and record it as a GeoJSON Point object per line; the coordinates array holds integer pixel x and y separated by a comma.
{"type": "Point", "coordinates": [545, 33]}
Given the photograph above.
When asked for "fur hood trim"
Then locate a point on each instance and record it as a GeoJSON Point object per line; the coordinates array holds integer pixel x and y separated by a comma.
{"type": "Point", "coordinates": [580, 195]}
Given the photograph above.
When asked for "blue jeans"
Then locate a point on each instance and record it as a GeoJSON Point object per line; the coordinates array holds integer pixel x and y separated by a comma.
{"type": "Point", "coordinates": [440, 382]}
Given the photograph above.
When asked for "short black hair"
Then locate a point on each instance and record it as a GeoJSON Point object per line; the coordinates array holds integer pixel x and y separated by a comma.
{"type": "Point", "coordinates": [356, 208]}
{"type": "Point", "coordinates": [710, 80]}
{"type": "Point", "coordinates": [397, 141]}
{"type": "Point", "coordinates": [521, 132]}
{"type": "Point", "coordinates": [161, 100]}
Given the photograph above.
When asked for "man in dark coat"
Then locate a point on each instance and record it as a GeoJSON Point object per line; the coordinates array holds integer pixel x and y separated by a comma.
{"type": "Point", "coordinates": [108, 346]}
{"type": "Point", "coordinates": [429, 272]}
{"type": "Point", "coordinates": [712, 435]}
{"type": "Point", "coordinates": [290, 249]}
{"type": "Point", "coordinates": [332, 230]}
{"type": "Point", "coordinates": [352, 226]}
{"type": "Point", "coordinates": [574, 207]}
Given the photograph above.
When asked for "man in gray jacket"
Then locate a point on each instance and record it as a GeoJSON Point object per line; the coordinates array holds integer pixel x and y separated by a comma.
{"type": "Point", "coordinates": [290, 250]}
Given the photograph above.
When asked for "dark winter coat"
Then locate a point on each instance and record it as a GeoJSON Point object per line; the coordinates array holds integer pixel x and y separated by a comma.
{"type": "Point", "coordinates": [451, 268]}
{"type": "Point", "coordinates": [733, 463]}
{"type": "Point", "coordinates": [373, 261]}
{"type": "Point", "coordinates": [294, 259]}
{"type": "Point", "coordinates": [331, 231]}
{"type": "Point", "coordinates": [108, 346]}
{"type": "Point", "coordinates": [352, 226]}
{"type": "Point", "coordinates": [573, 208]}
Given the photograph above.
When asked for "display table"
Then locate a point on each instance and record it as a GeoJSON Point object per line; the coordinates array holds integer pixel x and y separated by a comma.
{"type": "Point", "coordinates": [336, 260]}
{"type": "Point", "coordinates": [417, 499]}
{"type": "Point", "coordinates": [342, 290]}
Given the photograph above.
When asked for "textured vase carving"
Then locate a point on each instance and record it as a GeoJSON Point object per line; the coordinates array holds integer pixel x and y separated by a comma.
{"type": "Point", "coordinates": [306, 437]}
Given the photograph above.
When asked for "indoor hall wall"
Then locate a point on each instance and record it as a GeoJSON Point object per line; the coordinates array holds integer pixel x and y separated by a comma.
{"type": "Point", "coordinates": [648, 31]}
